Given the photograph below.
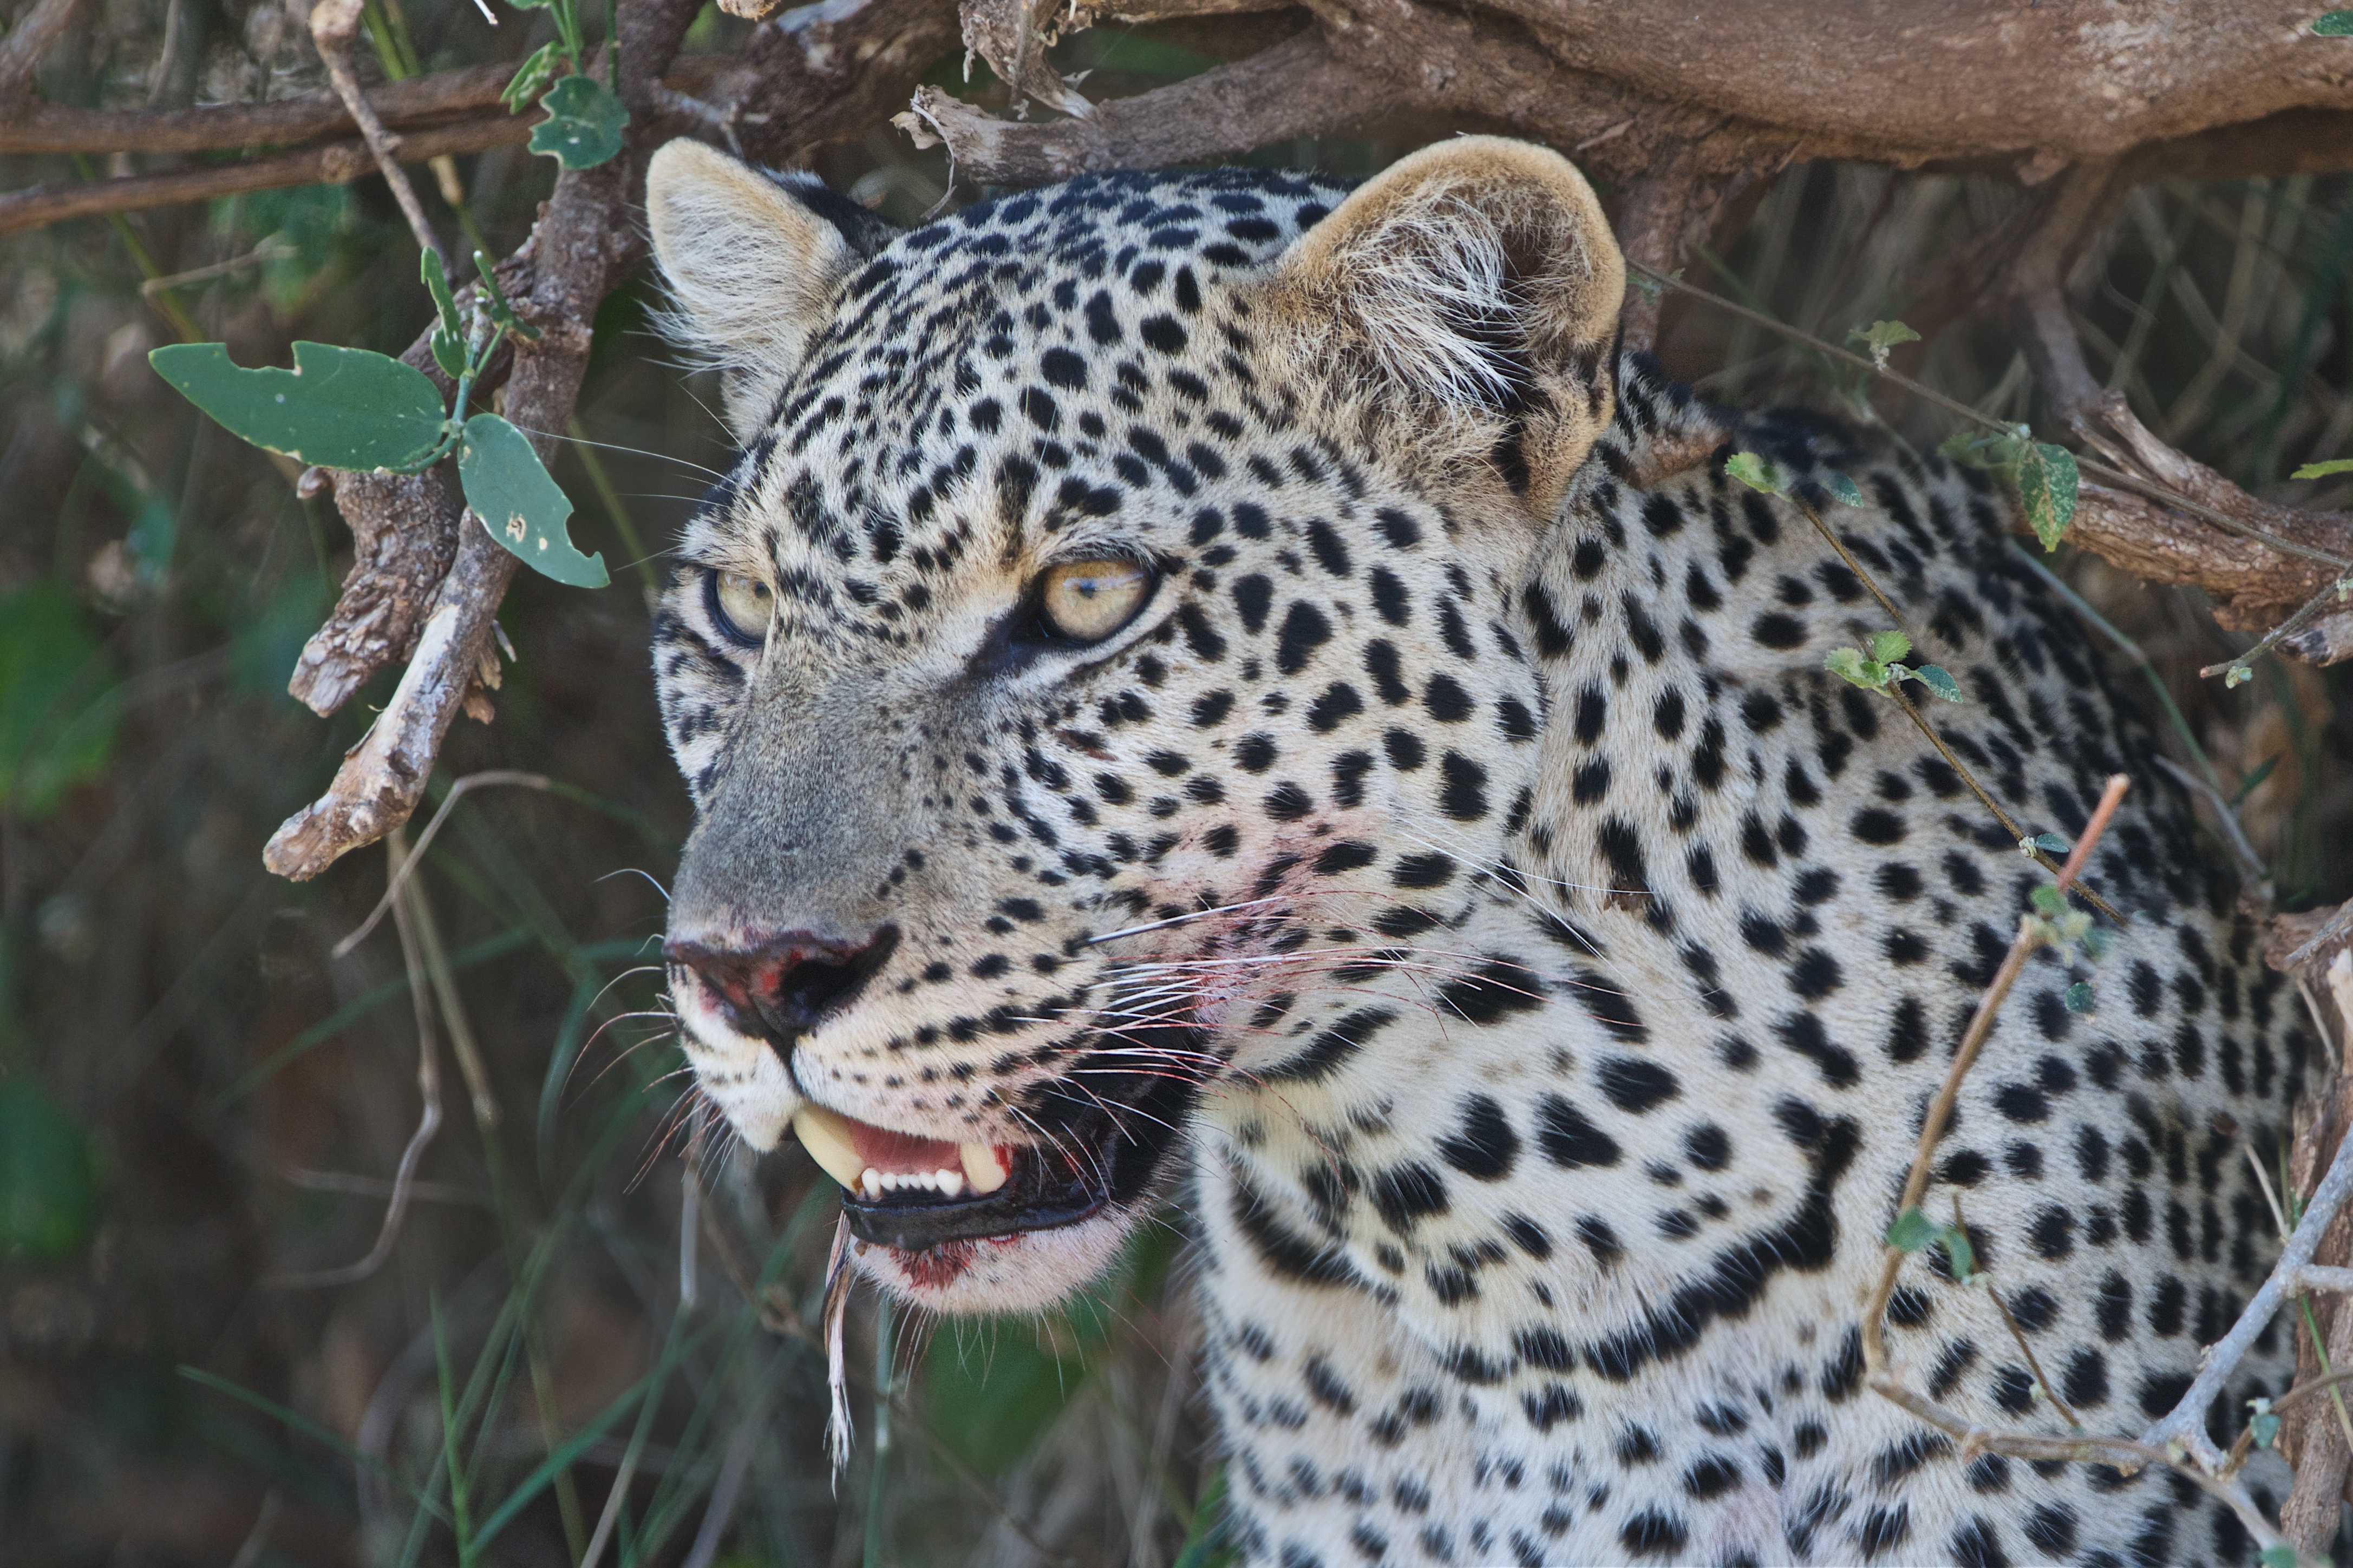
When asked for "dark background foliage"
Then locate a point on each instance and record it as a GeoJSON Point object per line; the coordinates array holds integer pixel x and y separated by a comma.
{"type": "Point", "coordinates": [196, 1098]}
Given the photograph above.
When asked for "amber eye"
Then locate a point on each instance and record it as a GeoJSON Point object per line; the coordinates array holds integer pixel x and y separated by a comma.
{"type": "Point", "coordinates": [741, 606]}
{"type": "Point", "coordinates": [1086, 601]}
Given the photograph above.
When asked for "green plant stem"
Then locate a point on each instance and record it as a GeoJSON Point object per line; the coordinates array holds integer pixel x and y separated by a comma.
{"type": "Point", "coordinates": [1855, 566]}
{"type": "Point", "coordinates": [2112, 475]}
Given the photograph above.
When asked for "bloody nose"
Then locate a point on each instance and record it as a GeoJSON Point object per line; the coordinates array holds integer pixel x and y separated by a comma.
{"type": "Point", "coordinates": [781, 987]}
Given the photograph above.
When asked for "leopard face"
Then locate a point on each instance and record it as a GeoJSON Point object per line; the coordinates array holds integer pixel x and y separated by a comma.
{"type": "Point", "coordinates": [1058, 674]}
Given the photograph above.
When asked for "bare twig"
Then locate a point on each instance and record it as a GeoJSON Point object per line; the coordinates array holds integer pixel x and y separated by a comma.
{"type": "Point", "coordinates": [2250, 864]}
{"type": "Point", "coordinates": [429, 1091]}
{"type": "Point", "coordinates": [457, 790]}
{"type": "Point", "coordinates": [333, 24]}
{"type": "Point", "coordinates": [334, 163]}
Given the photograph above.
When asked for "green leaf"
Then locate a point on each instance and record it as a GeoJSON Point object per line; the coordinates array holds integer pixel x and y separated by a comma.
{"type": "Point", "coordinates": [448, 332]}
{"type": "Point", "coordinates": [1757, 473]}
{"type": "Point", "coordinates": [2237, 675]}
{"type": "Point", "coordinates": [1888, 646]}
{"type": "Point", "coordinates": [2279, 1554]}
{"type": "Point", "coordinates": [2334, 465]}
{"type": "Point", "coordinates": [1912, 1231]}
{"type": "Point", "coordinates": [2052, 844]}
{"type": "Point", "coordinates": [1977, 451]}
{"type": "Point", "coordinates": [2047, 479]}
{"type": "Point", "coordinates": [2048, 899]}
{"type": "Point", "coordinates": [583, 123]}
{"type": "Point", "coordinates": [59, 702]}
{"type": "Point", "coordinates": [509, 491]}
{"type": "Point", "coordinates": [338, 408]}
{"type": "Point", "coordinates": [531, 76]}
{"type": "Point", "coordinates": [1959, 1253]}
{"type": "Point", "coordinates": [48, 1175]}
{"type": "Point", "coordinates": [2328, 24]}
{"type": "Point", "coordinates": [1938, 680]}
{"type": "Point", "coordinates": [1848, 664]}
{"type": "Point", "coordinates": [1882, 336]}
{"type": "Point", "coordinates": [1839, 485]}
{"type": "Point", "coordinates": [2079, 998]}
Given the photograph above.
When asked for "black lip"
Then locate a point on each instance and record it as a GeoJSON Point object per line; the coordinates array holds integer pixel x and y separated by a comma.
{"type": "Point", "coordinates": [1098, 1147]}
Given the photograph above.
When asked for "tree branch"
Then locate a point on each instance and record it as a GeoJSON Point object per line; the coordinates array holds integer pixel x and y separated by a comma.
{"type": "Point", "coordinates": [810, 77]}
{"type": "Point", "coordinates": [582, 247]}
{"type": "Point", "coordinates": [332, 163]}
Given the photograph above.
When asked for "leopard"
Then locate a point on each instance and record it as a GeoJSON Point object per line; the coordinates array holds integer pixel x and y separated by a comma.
{"type": "Point", "coordinates": [1229, 697]}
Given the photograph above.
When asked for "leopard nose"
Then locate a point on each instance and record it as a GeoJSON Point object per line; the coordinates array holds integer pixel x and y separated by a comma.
{"type": "Point", "coordinates": [781, 986]}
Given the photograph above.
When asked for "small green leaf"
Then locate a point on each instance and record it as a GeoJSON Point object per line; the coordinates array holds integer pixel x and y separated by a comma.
{"type": "Point", "coordinates": [1938, 680]}
{"type": "Point", "coordinates": [1882, 336]}
{"type": "Point", "coordinates": [1993, 452]}
{"type": "Point", "coordinates": [1757, 473]}
{"type": "Point", "coordinates": [531, 76]}
{"type": "Point", "coordinates": [338, 408]}
{"type": "Point", "coordinates": [1839, 485]}
{"type": "Point", "coordinates": [2047, 479]}
{"type": "Point", "coordinates": [1912, 1231]}
{"type": "Point", "coordinates": [2279, 1554]}
{"type": "Point", "coordinates": [1889, 646]}
{"type": "Point", "coordinates": [2263, 1426]}
{"type": "Point", "coordinates": [437, 283]}
{"type": "Point", "coordinates": [502, 312]}
{"type": "Point", "coordinates": [2330, 25]}
{"type": "Point", "coordinates": [1959, 1253]}
{"type": "Point", "coordinates": [2048, 899]}
{"type": "Point", "coordinates": [2237, 675]}
{"type": "Point", "coordinates": [583, 123]}
{"type": "Point", "coordinates": [2079, 998]}
{"type": "Point", "coordinates": [2052, 844]}
{"type": "Point", "coordinates": [2334, 465]}
{"type": "Point", "coordinates": [1848, 664]}
{"type": "Point", "coordinates": [509, 489]}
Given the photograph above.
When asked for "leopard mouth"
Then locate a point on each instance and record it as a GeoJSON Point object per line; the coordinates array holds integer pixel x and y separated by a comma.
{"type": "Point", "coordinates": [1097, 1148]}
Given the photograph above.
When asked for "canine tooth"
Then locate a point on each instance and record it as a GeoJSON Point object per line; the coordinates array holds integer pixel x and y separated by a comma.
{"type": "Point", "coordinates": [982, 1167]}
{"type": "Point", "coordinates": [826, 1135]}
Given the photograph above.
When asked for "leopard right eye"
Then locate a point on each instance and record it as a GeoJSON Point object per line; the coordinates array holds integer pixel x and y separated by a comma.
{"type": "Point", "coordinates": [740, 606]}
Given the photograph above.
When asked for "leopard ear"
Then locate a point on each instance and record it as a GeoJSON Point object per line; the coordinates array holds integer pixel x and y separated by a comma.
{"type": "Point", "coordinates": [1472, 291]}
{"type": "Point", "coordinates": [753, 264]}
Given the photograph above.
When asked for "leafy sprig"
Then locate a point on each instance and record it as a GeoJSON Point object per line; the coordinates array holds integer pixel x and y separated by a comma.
{"type": "Point", "coordinates": [2046, 476]}
{"type": "Point", "coordinates": [356, 409]}
{"type": "Point", "coordinates": [1883, 666]}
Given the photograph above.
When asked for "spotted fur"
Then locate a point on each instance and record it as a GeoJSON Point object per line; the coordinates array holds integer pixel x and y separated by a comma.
{"type": "Point", "coordinates": [1564, 959]}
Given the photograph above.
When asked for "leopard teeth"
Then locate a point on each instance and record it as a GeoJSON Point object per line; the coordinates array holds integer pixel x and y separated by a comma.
{"type": "Point", "coordinates": [826, 1135]}
{"type": "Point", "coordinates": [982, 1167]}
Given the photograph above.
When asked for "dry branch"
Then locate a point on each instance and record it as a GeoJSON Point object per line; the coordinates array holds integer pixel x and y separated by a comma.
{"type": "Point", "coordinates": [582, 247]}
{"type": "Point", "coordinates": [41, 24]}
{"type": "Point", "coordinates": [810, 75]}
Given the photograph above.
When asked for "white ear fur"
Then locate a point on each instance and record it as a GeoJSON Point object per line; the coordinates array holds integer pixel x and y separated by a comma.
{"type": "Point", "coordinates": [1476, 285]}
{"type": "Point", "coordinates": [752, 271]}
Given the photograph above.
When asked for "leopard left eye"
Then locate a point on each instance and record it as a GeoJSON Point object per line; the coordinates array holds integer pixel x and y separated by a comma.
{"type": "Point", "coordinates": [1087, 600]}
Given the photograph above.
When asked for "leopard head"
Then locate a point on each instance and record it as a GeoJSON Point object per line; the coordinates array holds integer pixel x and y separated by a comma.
{"type": "Point", "coordinates": [1109, 631]}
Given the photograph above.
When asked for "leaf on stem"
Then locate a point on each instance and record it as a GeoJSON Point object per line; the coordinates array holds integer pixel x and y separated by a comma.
{"type": "Point", "coordinates": [1888, 646]}
{"type": "Point", "coordinates": [1883, 336]}
{"type": "Point", "coordinates": [583, 123]}
{"type": "Point", "coordinates": [531, 76]}
{"type": "Point", "coordinates": [2047, 482]}
{"type": "Point", "coordinates": [526, 510]}
{"type": "Point", "coordinates": [337, 408]}
{"type": "Point", "coordinates": [2079, 998]}
{"type": "Point", "coordinates": [1938, 680]}
{"type": "Point", "coordinates": [448, 332]}
{"type": "Point", "coordinates": [1849, 665]}
{"type": "Point", "coordinates": [2334, 465]}
{"type": "Point", "coordinates": [1839, 485]}
{"type": "Point", "coordinates": [2328, 25]}
{"type": "Point", "coordinates": [1757, 473]}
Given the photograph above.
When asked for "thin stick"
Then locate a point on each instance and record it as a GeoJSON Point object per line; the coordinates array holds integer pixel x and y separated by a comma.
{"type": "Point", "coordinates": [425, 841]}
{"type": "Point", "coordinates": [428, 1090]}
{"type": "Point", "coordinates": [2333, 595]}
{"type": "Point", "coordinates": [333, 24]}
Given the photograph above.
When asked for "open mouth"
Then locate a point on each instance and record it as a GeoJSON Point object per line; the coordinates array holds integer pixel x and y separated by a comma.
{"type": "Point", "coordinates": [1094, 1149]}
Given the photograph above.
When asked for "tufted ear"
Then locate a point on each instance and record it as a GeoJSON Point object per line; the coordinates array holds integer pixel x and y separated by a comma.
{"type": "Point", "coordinates": [753, 263]}
{"type": "Point", "coordinates": [1475, 287]}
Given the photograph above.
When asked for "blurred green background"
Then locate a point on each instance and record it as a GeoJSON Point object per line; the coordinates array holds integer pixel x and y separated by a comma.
{"type": "Point", "coordinates": [198, 1100]}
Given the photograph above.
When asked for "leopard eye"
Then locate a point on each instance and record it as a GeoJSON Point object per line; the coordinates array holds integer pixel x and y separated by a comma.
{"type": "Point", "coordinates": [741, 606]}
{"type": "Point", "coordinates": [1087, 600]}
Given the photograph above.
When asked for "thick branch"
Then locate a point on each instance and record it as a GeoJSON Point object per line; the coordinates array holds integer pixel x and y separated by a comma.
{"type": "Point", "coordinates": [810, 77]}
{"type": "Point", "coordinates": [1662, 220]}
{"type": "Point", "coordinates": [1295, 89]}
